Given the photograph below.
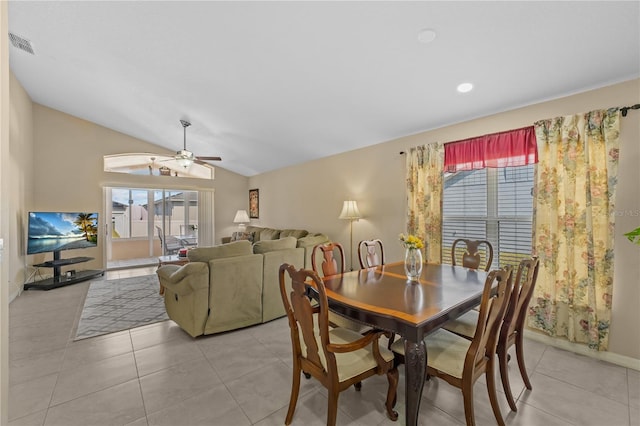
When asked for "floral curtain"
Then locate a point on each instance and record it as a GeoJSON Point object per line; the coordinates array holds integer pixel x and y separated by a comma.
{"type": "Point", "coordinates": [424, 197]}
{"type": "Point", "coordinates": [573, 226]}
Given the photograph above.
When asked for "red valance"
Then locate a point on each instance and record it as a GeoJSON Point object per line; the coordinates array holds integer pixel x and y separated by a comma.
{"type": "Point", "coordinates": [511, 148]}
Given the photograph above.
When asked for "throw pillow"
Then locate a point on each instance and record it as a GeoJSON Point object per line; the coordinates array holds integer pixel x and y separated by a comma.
{"type": "Point", "coordinates": [239, 236]}
{"type": "Point", "coordinates": [264, 246]}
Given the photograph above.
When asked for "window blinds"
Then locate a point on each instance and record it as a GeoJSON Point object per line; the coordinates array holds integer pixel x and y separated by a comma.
{"type": "Point", "coordinates": [493, 204]}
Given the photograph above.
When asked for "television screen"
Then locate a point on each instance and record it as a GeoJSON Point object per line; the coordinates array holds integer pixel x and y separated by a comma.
{"type": "Point", "coordinates": [55, 231]}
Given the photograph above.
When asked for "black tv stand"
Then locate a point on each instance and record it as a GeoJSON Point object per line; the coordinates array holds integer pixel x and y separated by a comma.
{"type": "Point", "coordinates": [59, 280]}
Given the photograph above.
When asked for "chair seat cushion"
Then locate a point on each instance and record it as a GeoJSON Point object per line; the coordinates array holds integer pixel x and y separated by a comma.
{"type": "Point", "coordinates": [347, 323]}
{"type": "Point", "coordinates": [351, 364]}
{"type": "Point", "coordinates": [446, 351]}
{"type": "Point", "coordinates": [464, 325]}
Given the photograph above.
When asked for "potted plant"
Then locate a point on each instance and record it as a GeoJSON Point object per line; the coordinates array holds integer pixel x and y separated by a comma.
{"type": "Point", "coordinates": [634, 236]}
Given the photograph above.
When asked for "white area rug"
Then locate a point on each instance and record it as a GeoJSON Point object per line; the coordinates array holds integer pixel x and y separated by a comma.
{"type": "Point", "coordinates": [116, 305]}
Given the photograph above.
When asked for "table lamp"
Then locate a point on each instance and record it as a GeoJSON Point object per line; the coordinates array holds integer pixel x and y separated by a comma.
{"type": "Point", "coordinates": [241, 219]}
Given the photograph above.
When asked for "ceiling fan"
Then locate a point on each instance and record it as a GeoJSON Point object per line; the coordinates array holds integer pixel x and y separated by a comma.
{"type": "Point", "coordinates": [185, 157]}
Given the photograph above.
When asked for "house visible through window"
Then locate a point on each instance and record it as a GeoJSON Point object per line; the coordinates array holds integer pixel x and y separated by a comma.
{"type": "Point", "coordinates": [488, 193]}
{"type": "Point", "coordinates": [148, 222]}
{"type": "Point", "coordinates": [495, 204]}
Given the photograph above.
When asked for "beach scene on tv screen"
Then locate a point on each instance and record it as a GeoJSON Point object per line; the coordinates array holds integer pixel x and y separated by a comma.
{"type": "Point", "coordinates": [55, 231]}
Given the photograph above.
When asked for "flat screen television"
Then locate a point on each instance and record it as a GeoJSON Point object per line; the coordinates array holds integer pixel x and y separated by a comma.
{"type": "Point", "coordinates": [57, 231]}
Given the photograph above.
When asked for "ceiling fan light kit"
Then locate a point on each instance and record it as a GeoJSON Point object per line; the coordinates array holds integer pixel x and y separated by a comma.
{"type": "Point", "coordinates": [184, 157]}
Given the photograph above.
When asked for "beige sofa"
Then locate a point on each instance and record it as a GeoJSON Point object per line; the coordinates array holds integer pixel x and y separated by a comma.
{"type": "Point", "coordinates": [306, 240]}
{"type": "Point", "coordinates": [233, 285]}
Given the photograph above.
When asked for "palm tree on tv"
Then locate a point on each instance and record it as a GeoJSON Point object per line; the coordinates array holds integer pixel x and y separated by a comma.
{"type": "Point", "coordinates": [87, 224]}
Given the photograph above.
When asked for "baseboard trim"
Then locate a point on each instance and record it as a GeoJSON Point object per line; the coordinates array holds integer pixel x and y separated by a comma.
{"type": "Point", "coordinates": [15, 294]}
{"type": "Point", "coordinates": [613, 358]}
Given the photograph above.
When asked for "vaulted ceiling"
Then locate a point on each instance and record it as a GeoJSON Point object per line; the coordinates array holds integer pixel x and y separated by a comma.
{"type": "Point", "coordinates": [271, 84]}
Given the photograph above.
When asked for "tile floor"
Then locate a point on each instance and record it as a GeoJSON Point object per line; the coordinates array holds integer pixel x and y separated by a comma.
{"type": "Point", "coordinates": [158, 375]}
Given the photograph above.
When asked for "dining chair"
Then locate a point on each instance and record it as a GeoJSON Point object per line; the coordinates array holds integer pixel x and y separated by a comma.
{"type": "Point", "coordinates": [471, 253]}
{"type": "Point", "coordinates": [511, 332]}
{"type": "Point", "coordinates": [169, 244]}
{"type": "Point", "coordinates": [336, 357]}
{"type": "Point", "coordinates": [460, 361]}
{"type": "Point", "coordinates": [328, 267]}
{"type": "Point", "coordinates": [370, 253]}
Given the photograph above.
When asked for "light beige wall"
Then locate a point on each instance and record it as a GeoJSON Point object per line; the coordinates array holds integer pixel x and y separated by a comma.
{"type": "Point", "coordinates": [68, 173]}
{"type": "Point", "coordinates": [21, 183]}
{"type": "Point", "coordinates": [230, 197]}
{"type": "Point", "coordinates": [4, 214]}
{"type": "Point", "coordinates": [310, 195]}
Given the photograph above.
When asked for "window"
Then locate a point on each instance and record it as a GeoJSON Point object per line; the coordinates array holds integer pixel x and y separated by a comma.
{"type": "Point", "coordinates": [491, 203]}
{"type": "Point", "coordinates": [155, 165]}
{"type": "Point", "coordinates": [175, 211]}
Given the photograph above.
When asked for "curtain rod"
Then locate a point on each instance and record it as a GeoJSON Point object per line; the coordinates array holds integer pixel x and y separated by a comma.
{"type": "Point", "coordinates": [624, 110]}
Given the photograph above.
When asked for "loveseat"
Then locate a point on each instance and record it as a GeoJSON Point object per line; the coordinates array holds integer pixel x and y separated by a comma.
{"type": "Point", "coordinates": [232, 285]}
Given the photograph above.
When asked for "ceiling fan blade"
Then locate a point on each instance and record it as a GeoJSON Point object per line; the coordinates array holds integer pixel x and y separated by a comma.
{"type": "Point", "coordinates": [198, 157]}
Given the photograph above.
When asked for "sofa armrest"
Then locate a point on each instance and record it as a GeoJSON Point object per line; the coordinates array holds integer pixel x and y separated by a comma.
{"type": "Point", "coordinates": [185, 279]}
{"type": "Point", "coordinates": [272, 306]}
{"type": "Point", "coordinates": [235, 293]}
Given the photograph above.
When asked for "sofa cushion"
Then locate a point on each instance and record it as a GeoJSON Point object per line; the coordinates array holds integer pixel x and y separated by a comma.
{"type": "Point", "coordinates": [296, 233]}
{"type": "Point", "coordinates": [252, 228]}
{"type": "Point", "coordinates": [269, 234]}
{"type": "Point", "coordinates": [205, 254]}
{"type": "Point", "coordinates": [312, 240]}
{"type": "Point", "coordinates": [265, 246]}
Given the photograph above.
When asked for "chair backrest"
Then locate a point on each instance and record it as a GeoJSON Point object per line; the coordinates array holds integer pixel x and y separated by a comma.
{"type": "Point", "coordinates": [490, 316]}
{"type": "Point", "coordinates": [307, 320]}
{"type": "Point", "coordinates": [329, 264]}
{"type": "Point", "coordinates": [169, 243]}
{"type": "Point", "coordinates": [160, 236]}
{"type": "Point", "coordinates": [523, 285]}
{"type": "Point", "coordinates": [370, 253]}
{"type": "Point", "coordinates": [473, 253]}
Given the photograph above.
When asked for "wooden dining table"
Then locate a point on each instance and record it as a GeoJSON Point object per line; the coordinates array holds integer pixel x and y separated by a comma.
{"type": "Point", "coordinates": [383, 298]}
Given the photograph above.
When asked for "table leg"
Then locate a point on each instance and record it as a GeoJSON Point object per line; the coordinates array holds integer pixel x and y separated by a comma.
{"type": "Point", "coordinates": [415, 368]}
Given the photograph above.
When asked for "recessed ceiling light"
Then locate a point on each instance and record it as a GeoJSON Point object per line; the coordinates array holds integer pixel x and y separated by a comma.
{"type": "Point", "coordinates": [465, 87]}
{"type": "Point", "coordinates": [426, 36]}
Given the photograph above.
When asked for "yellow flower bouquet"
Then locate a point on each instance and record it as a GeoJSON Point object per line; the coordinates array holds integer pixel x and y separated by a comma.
{"type": "Point", "coordinates": [411, 241]}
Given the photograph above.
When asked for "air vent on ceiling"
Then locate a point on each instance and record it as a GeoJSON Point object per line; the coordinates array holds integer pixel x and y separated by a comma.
{"type": "Point", "coordinates": [21, 43]}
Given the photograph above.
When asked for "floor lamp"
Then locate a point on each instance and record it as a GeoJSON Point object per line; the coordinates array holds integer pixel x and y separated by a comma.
{"type": "Point", "coordinates": [351, 213]}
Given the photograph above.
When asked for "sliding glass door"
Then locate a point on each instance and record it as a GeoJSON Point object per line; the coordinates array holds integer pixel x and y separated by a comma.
{"type": "Point", "coordinates": [146, 223]}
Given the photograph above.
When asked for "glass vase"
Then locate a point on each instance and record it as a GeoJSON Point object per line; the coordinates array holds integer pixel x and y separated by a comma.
{"type": "Point", "coordinates": [413, 263]}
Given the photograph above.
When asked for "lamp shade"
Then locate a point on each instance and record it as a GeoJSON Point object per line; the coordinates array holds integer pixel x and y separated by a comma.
{"type": "Point", "coordinates": [349, 211]}
{"type": "Point", "coordinates": [241, 217]}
